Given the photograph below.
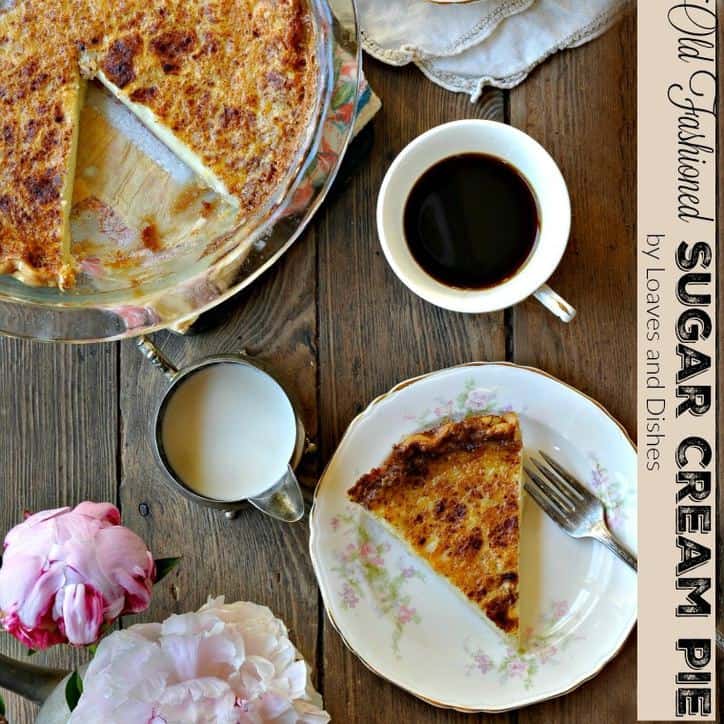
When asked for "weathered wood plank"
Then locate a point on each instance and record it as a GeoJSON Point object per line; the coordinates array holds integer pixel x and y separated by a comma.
{"type": "Point", "coordinates": [581, 105]}
{"type": "Point", "coordinates": [251, 557]}
{"type": "Point", "coordinates": [374, 333]}
{"type": "Point", "coordinates": [58, 441]}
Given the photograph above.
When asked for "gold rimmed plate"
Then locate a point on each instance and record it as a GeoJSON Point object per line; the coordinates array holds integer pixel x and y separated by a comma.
{"type": "Point", "coordinates": [578, 602]}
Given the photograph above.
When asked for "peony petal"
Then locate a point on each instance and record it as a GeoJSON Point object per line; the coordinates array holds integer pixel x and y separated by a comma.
{"type": "Point", "coordinates": [38, 602]}
{"type": "Point", "coordinates": [37, 518]}
{"type": "Point", "coordinates": [182, 653]}
{"type": "Point", "coordinates": [116, 563]}
{"type": "Point", "coordinates": [82, 608]}
{"type": "Point", "coordinates": [148, 631]}
{"type": "Point", "coordinates": [32, 539]}
{"type": "Point", "coordinates": [199, 701]}
{"type": "Point", "coordinates": [95, 707]}
{"type": "Point", "coordinates": [38, 637]}
{"type": "Point", "coordinates": [308, 713]}
{"type": "Point", "coordinates": [193, 668]}
{"type": "Point", "coordinates": [18, 575]}
{"type": "Point", "coordinates": [73, 529]}
{"type": "Point", "coordinates": [113, 609]}
{"type": "Point", "coordinates": [106, 512]}
{"type": "Point", "coordinates": [293, 680]}
{"type": "Point", "coordinates": [222, 654]}
{"type": "Point", "coordinates": [271, 706]}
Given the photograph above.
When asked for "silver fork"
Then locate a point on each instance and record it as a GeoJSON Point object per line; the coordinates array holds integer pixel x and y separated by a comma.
{"type": "Point", "coordinates": [578, 511]}
{"type": "Point", "coordinates": [570, 504]}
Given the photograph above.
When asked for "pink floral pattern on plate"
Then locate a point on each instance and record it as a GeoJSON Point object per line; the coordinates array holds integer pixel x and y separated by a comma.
{"type": "Point", "coordinates": [363, 572]}
{"type": "Point", "coordinates": [472, 400]}
{"type": "Point", "coordinates": [539, 650]}
{"type": "Point", "coordinates": [614, 495]}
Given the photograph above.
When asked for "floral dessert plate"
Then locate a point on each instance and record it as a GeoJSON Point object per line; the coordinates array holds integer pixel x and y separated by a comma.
{"type": "Point", "coordinates": [577, 601]}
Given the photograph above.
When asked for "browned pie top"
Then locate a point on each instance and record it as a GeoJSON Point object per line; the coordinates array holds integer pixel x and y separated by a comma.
{"type": "Point", "coordinates": [453, 495]}
{"type": "Point", "coordinates": [39, 85]}
{"type": "Point", "coordinates": [233, 80]}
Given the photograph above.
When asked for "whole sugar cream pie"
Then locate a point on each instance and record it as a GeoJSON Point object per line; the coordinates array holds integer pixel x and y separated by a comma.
{"type": "Point", "coordinates": [228, 85]}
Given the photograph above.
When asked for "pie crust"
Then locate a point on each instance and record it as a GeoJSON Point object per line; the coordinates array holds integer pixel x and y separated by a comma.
{"type": "Point", "coordinates": [452, 495]}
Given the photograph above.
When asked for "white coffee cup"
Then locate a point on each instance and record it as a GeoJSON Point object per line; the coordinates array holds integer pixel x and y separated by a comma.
{"type": "Point", "coordinates": [533, 163]}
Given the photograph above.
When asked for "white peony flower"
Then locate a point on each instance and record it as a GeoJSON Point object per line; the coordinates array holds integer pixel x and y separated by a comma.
{"type": "Point", "coordinates": [224, 664]}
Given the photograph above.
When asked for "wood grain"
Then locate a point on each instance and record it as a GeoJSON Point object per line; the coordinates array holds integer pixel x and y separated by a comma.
{"type": "Point", "coordinates": [58, 428]}
{"type": "Point", "coordinates": [374, 333]}
{"type": "Point", "coordinates": [582, 107]}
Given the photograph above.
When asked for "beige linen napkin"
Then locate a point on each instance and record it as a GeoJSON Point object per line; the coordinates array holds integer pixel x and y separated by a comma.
{"type": "Point", "coordinates": [464, 47]}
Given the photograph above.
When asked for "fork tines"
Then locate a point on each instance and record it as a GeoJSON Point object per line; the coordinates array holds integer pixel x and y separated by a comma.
{"type": "Point", "coordinates": [571, 505]}
{"type": "Point", "coordinates": [556, 490]}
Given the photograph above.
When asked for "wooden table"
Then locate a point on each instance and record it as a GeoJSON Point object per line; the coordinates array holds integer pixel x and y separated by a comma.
{"type": "Point", "coordinates": [337, 326]}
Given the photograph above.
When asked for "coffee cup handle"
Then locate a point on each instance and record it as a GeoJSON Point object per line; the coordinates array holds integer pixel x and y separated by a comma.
{"type": "Point", "coordinates": [283, 501]}
{"type": "Point", "coordinates": [555, 303]}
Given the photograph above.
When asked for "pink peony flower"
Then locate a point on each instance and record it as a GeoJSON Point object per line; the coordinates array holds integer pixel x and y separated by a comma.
{"type": "Point", "coordinates": [225, 663]}
{"type": "Point", "coordinates": [65, 573]}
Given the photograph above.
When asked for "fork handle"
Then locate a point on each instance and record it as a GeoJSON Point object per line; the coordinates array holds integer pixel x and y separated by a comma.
{"type": "Point", "coordinates": [603, 535]}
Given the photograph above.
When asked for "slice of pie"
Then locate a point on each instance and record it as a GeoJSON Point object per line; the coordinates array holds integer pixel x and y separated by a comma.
{"type": "Point", "coordinates": [452, 494]}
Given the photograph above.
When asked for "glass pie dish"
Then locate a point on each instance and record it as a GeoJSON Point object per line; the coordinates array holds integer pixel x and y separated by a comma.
{"type": "Point", "coordinates": [153, 246]}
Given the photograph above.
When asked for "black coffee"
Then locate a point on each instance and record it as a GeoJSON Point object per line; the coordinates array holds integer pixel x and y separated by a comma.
{"type": "Point", "coordinates": [471, 221]}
